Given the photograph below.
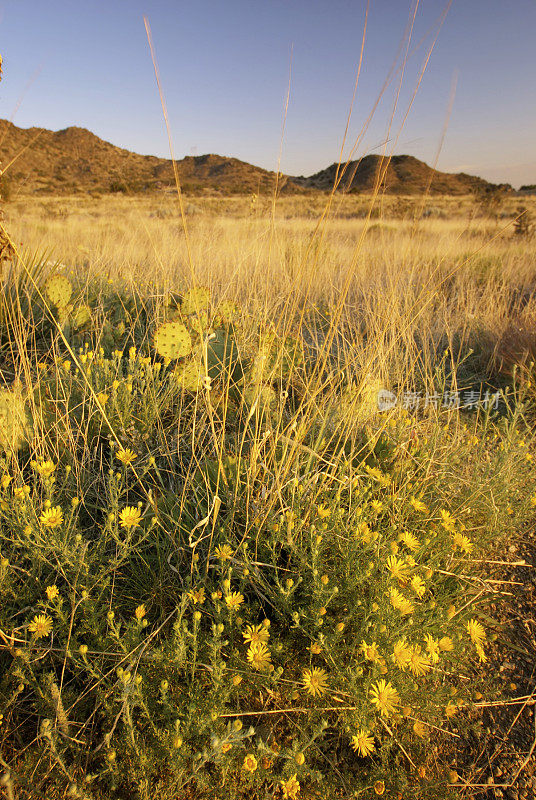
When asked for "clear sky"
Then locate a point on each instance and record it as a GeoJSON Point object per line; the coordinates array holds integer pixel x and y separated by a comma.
{"type": "Point", "coordinates": [225, 63]}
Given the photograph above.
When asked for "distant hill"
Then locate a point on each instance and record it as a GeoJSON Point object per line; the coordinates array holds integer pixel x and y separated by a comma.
{"type": "Point", "coordinates": [400, 175]}
{"type": "Point", "coordinates": [74, 160]}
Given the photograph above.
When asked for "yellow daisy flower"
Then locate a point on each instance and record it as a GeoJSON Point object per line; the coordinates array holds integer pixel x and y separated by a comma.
{"type": "Point", "coordinates": [52, 592]}
{"type": "Point", "coordinates": [129, 517]}
{"type": "Point", "coordinates": [385, 697]}
{"type": "Point", "coordinates": [418, 505]}
{"type": "Point", "coordinates": [401, 654]}
{"type": "Point", "coordinates": [259, 657]}
{"type": "Point", "coordinates": [370, 651]}
{"type": "Point", "coordinates": [398, 568]}
{"type": "Point", "coordinates": [140, 612]}
{"type": "Point", "coordinates": [447, 520]}
{"type": "Point", "coordinates": [433, 647]}
{"type": "Point", "coordinates": [126, 456]}
{"type": "Point", "coordinates": [197, 596]}
{"type": "Point", "coordinates": [44, 468]}
{"type": "Point", "coordinates": [363, 742]}
{"type": "Point", "coordinates": [446, 644]}
{"type": "Point", "coordinates": [323, 512]}
{"type": "Point", "coordinates": [250, 763]}
{"type": "Point", "coordinates": [234, 600]}
{"type": "Point", "coordinates": [40, 626]}
{"type": "Point", "coordinates": [224, 552]}
{"type": "Point", "coordinates": [419, 664]}
{"type": "Point", "coordinates": [418, 585]}
{"type": "Point", "coordinates": [290, 788]}
{"type": "Point", "coordinates": [256, 634]}
{"type": "Point", "coordinates": [411, 541]}
{"type": "Point", "coordinates": [399, 602]}
{"type": "Point", "coordinates": [315, 681]}
{"type": "Point", "coordinates": [51, 517]}
{"type": "Point", "coordinates": [476, 631]}
{"type": "Point", "coordinates": [463, 542]}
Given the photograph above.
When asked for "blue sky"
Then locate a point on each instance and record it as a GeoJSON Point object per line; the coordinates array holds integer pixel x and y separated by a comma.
{"type": "Point", "coordinates": [225, 63]}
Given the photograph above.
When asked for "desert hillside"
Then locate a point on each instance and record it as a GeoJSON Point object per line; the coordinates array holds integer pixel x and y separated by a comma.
{"type": "Point", "coordinates": [74, 160]}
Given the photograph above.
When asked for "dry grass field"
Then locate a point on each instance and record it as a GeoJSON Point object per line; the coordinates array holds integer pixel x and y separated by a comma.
{"type": "Point", "coordinates": [225, 572]}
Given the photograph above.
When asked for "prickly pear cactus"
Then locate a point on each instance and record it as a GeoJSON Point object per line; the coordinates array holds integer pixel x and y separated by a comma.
{"type": "Point", "coordinates": [15, 424]}
{"type": "Point", "coordinates": [227, 313]}
{"type": "Point", "coordinates": [195, 300]}
{"type": "Point", "coordinates": [59, 290]}
{"type": "Point", "coordinates": [81, 317]}
{"type": "Point", "coordinates": [172, 340]}
{"type": "Point", "coordinates": [189, 375]}
{"type": "Point", "coordinates": [223, 357]}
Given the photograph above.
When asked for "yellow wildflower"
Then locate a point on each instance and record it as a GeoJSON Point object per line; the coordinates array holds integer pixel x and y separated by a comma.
{"type": "Point", "coordinates": [323, 511]}
{"type": "Point", "coordinates": [315, 649]}
{"type": "Point", "coordinates": [476, 631]}
{"type": "Point", "coordinates": [447, 520]}
{"type": "Point", "coordinates": [463, 542]}
{"type": "Point", "coordinates": [418, 585]}
{"type": "Point", "coordinates": [6, 480]}
{"type": "Point", "coordinates": [256, 634]}
{"type": "Point", "coordinates": [446, 644]}
{"type": "Point", "coordinates": [259, 657]}
{"type": "Point", "coordinates": [129, 517]}
{"type": "Point", "coordinates": [51, 517]}
{"type": "Point", "coordinates": [385, 697]}
{"type": "Point", "coordinates": [234, 600]}
{"type": "Point", "coordinates": [363, 742]}
{"type": "Point", "coordinates": [419, 664]}
{"type": "Point", "coordinates": [418, 505]}
{"type": "Point", "coordinates": [40, 626]}
{"type": "Point", "coordinates": [197, 596]}
{"type": "Point", "coordinates": [399, 602]}
{"type": "Point", "coordinates": [250, 763]}
{"type": "Point", "coordinates": [315, 681]}
{"type": "Point", "coordinates": [433, 647]}
{"type": "Point", "coordinates": [450, 709]}
{"type": "Point", "coordinates": [140, 612]}
{"type": "Point", "coordinates": [44, 468]}
{"type": "Point", "coordinates": [398, 568]}
{"type": "Point", "coordinates": [224, 552]}
{"type": "Point", "coordinates": [411, 541]}
{"type": "Point", "coordinates": [290, 788]}
{"type": "Point", "coordinates": [370, 651]}
{"type": "Point", "coordinates": [126, 456]}
{"type": "Point", "coordinates": [401, 654]}
{"type": "Point", "coordinates": [52, 592]}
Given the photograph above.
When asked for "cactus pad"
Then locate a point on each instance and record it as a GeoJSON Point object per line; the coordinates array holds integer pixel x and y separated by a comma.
{"type": "Point", "coordinates": [172, 340]}
{"type": "Point", "coordinates": [189, 375]}
{"type": "Point", "coordinates": [59, 290]}
{"type": "Point", "coordinates": [81, 316]}
{"type": "Point", "coordinates": [195, 300]}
